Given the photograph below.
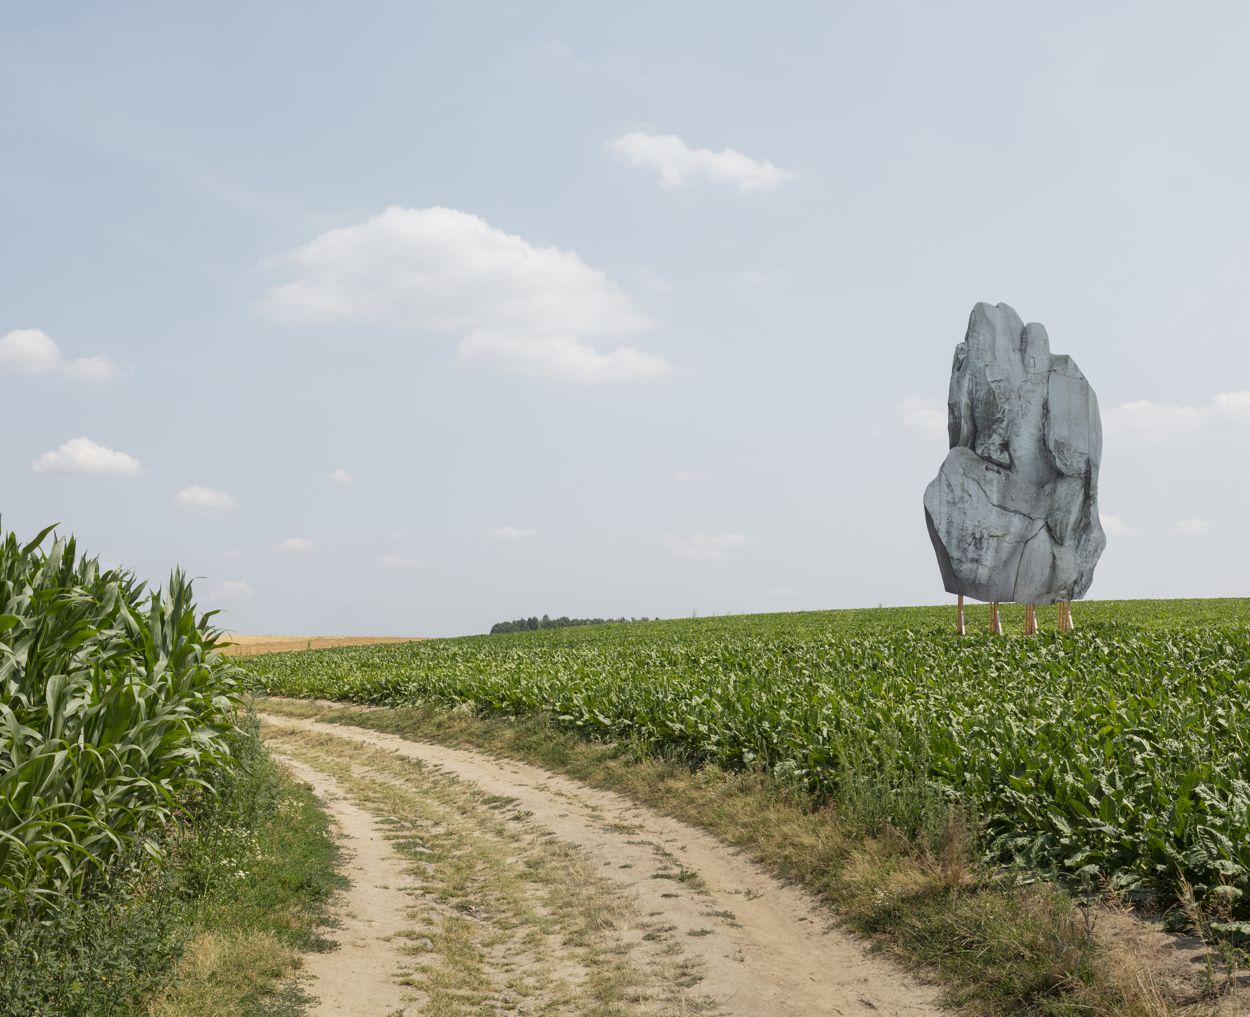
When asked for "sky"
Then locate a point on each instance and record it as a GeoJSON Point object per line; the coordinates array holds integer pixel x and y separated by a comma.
{"type": "Point", "coordinates": [406, 319]}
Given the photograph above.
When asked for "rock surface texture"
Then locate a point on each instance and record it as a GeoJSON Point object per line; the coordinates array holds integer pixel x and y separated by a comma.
{"type": "Point", "coordinates": [1013, 512]}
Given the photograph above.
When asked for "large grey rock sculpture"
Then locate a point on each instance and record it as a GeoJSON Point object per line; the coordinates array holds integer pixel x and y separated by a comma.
{"type": "Point", "coordinates": [1013, 512]}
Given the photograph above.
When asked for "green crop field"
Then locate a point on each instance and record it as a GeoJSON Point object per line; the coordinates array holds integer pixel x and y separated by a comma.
{"type": "Point", "coordinates": [1117, 755]}
{"type": "Point", "coordinates": [151, 853]}
{"type": "Point", "coordinates": [114, 713]}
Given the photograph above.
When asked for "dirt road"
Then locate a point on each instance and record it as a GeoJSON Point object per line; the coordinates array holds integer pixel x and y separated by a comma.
{"type": "Point", "coordinates": [528, 892]}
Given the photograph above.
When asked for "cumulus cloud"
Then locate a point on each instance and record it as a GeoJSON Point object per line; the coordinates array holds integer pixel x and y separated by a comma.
{"type": "Point", "coordinates": [527, 309]}
{"type": "Point", "coordinates": [660, 287]}
{"type": "Point", "coordinates": [563, 357]}
{"type": "Point", "coordinates": [705, 547]}
{"type": "Point", "coordinates": [676, 164]}
{"type": "Point", "coordinates": [82, 455]}
{"type": "Point", "coordinates": [340, 476]}
{"type": "Point", "coordinates": [209, 499]}
{"type": "Point", "coordinates": [513, 533]}
{"type": "Point", "coordinates": [1114, 526]}
{"type": "Point", "coordinates": [32, 351]}
{"type": "Point", "coordinates": [232, 589]}
{"type": "Point", "coordinates": [926, 415]}
{"type": "Point", "coordinates": [296, 545]}
{"type": "Point", "coordinates": [1192, 527]}
{"type": "Point", "coordinates": [394, 561]}
{"type": "Point", "coordinates": [91, 369]}
{"type": "Point", "coordinates": [759, 279]}
{"type": "Point", "coordinates": [1147, 421]}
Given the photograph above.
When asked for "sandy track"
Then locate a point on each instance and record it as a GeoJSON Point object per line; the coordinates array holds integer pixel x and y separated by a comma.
{"type": "Point", "coordinates": [766, 949]}
{"type": "Point", "coordinates": [360, 977]}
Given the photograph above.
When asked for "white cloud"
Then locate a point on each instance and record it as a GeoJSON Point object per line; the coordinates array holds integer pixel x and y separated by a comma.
{"type": "Point", "coordinates": [512, 533]}
{"type": "Point", "coordinates": [92, 369]}
{"type": "Point", "coordinates": [702, 547]}
{"type": "Point", "coordinates": [927, 415]}
{"type": "Point", "coordinates": [689, 476]}
{"type": "Point", "coordinates": [1233, 407]}
{"type": "Point", "coordinates": [676, 164]}
{"type": "Point", "coordinates": [654, 283]}
{"type": "Point", "coordinates": [32, 351]}
{"type": "Point", "coordinates": [29, 351]}
{"type": "Point", "coordinates": [82, 455]}
{"type": "Point", "coordinates": [520, 307]}
{"type": "Point", "coordinates": [296, 545]}
{"type": "Point", "coordinates": [210, 499]}
{"type": "Point", "coordinates": [1192, 527]}
{"type": "Point", "coordinates": [1149, 421]}
{"type": "Point", "coordinates": [340, 476]}
{"type": "Point", "coordinates": [232, 589]}
{"type": "Point", "coordinates": [757, 279]}
{"type": "Point", "coordinates": [394, 561]}
{"type": "Point", "coordinates": [1114, 526]}
{"type": "Point", "coordinates": [563, 357]}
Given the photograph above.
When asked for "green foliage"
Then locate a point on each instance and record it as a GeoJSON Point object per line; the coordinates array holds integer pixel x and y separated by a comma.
{"type": "Point", "coordinates": [258, 858]}
{"type": "Point", "coordinates": [114, 709]}
{"type": "Point", "coordinates": [1117, 754]}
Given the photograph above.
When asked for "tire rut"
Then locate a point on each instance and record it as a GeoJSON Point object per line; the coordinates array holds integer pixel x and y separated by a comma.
{"type": "Point", "coordinates": [360, 977]}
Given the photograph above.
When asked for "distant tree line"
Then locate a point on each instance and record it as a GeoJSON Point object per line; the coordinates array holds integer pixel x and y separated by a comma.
{"type": "Point", "coordinates": [545, 622]}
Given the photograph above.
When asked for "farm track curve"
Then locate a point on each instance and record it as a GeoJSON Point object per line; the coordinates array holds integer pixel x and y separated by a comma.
{"type": "Point", "coordinates": [759, 947]}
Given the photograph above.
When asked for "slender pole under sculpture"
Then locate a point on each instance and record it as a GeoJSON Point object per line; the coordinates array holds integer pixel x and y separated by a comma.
{"type": "Point", "coordinates": [1030, 620]}
{"type": "Point", "coordinates": [959, 616]}
{"type": "Point", "coordinates": [996, 625]}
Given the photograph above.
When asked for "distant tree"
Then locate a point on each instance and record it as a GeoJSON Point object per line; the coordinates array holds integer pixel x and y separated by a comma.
{"type": "Point", "coordinates": [533, 624]}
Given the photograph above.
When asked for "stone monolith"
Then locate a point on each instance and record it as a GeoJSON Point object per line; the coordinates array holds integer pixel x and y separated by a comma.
{"type": "Point", "coordinates": [1013, 512]}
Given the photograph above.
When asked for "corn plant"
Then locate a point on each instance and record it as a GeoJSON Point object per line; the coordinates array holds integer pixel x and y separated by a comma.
{"type": "Point", "coordinates": [1115, 755]}
{"type": "Point", "coordinates": [114, 708]}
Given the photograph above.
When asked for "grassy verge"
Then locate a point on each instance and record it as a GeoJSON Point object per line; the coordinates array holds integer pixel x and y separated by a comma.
{"type": "Point", "coordinates": [999, 945]}
{"type": "Point", "coordinates": [216, 929]}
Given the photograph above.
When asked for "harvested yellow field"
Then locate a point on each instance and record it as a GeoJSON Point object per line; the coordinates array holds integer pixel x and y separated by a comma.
{"type": "Point", "coordinates": [250, 646]}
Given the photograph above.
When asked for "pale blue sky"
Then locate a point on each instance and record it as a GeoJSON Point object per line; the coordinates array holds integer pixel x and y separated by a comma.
{"type": "Point", "coordinates": [591, 362]}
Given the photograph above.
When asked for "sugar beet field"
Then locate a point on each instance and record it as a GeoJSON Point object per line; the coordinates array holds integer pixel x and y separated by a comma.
{"type": "Point", "coordinates": [1115, 757]}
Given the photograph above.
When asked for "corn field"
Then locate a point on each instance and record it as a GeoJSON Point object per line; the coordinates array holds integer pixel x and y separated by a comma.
{"type": "Point", "coordinates": [1114, 756]}
{"type": "Point", "coordinates": [115, 709]}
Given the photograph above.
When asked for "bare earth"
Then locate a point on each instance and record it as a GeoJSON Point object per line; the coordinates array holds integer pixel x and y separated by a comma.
{"type": "Point", "coordinates": [247, 646]}
{"type": "Point", "coordinates": [357, 978]}
{"type": "Point", "coordinates": [751, 945]}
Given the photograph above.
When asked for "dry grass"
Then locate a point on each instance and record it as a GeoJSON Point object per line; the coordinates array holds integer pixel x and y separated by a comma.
{"type": "Point", "coordinates": [224, 974]}
{"type": "Point", "coordinates": [250, 646]}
